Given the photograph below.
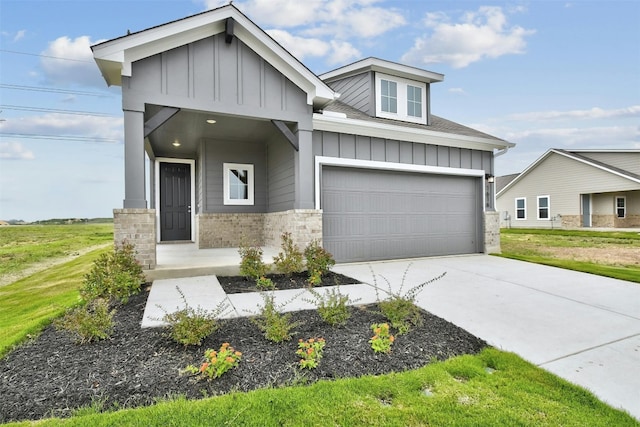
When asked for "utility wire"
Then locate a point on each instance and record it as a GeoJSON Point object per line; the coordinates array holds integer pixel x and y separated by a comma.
{"type": "Point", "coordinates": [53, 110]}
{"type": "Point", "coordinates": [58, 137]}
{"type": "Point", "coordinates": [45, 56]}
{"type": "Point", "coordinates": [53, 90]}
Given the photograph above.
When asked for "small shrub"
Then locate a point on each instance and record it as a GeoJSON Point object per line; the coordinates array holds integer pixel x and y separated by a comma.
{"type": "Point", "coordinates": [310, 352]}
{"type": "Point", "coordinates": [332, 306]}
{"type": "Point", "coordinates": [190, 326]}
{"type": "Point", "coordinates": [115, 275]}
{"type": "Point", "coordinates": [275, 325]}
{"type": "Point", "coordinates": [289, 260]}
{"type": "Point", "coordinates": [400, 309]}
{"type": "Point", "coordinates": [319, 261]}
{"type": "Point", "coordinates": [87, 323]}
{"type": "Point", "coordinates": [251, 264]}
{"type": "Point", "coordinates": [382, 338]}
{"type": "Point", "coordinates": [265, 284]}
{"type": "Point", "coordinates": [216, 363]}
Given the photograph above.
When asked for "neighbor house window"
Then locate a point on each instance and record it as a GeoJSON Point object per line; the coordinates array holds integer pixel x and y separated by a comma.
{"type": "Point", "coordinates": [414, 101]}
{"type": "Point", "coordinates": [621, 207]}
{"type": "Point", "coordinates": [389, 96]}
{"type": "Point", "coordinates": [521, 208]}
{"type": "Point", "coordinates": [238, 184]}
{"type": "Point", "coordinates": [398, 98]}
{"type": "Point", "coordinates": [543, 207]}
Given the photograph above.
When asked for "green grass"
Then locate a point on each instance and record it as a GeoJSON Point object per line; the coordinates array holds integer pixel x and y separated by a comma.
{"type": "Point", "coordinates": [29, 304]}
{"type": "Point", "coordinates": [25, 245]}
{"type": "Point", "coordinates": [463, 392]}
{"type": "Point", "coordinates": [535, 245]}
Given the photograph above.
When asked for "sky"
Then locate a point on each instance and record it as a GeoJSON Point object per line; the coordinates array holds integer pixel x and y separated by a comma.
{"type": "Point", "coordinates": [540, 74]}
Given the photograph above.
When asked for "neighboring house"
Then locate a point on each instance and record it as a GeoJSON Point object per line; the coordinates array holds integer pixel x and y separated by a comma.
{"type": "Point", "coordinates": [572, 189]}
{"type": "Point", "coordinates": [239, 139]}
{"type": "Point", "coordinates": [3, 223]}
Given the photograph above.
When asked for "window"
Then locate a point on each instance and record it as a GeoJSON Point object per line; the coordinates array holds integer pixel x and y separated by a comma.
{"type": "Point", "coordinates": [238, 184]}
{"type": "Point", "coordinates": [521, 208]}
{"type": "Point", "coordinates": [621, 207]}
{"type": "Point", "coordinates": [389, 96]}
{"type": "Point", "coordinates": [543, 207]}
{"type": "Point", "coordinates": [414, 101]}
{"type": "Point", "coordinates": [398, 98]}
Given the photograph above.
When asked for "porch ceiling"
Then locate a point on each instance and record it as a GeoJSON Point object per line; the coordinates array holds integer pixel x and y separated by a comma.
{"type": "Point", "coordinates": [188, 127]}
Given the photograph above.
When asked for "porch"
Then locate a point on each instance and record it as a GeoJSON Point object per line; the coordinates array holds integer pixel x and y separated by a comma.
{"type": "Point", "coordinates": [179, 260]}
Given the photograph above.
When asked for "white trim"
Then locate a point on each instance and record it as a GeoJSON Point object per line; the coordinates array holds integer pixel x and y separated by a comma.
{"type": "Point", "coordinates": [516, 208]}
{"type": "Point", "coordinates": [401, 99]}
{"type": "Point", "coordinates": [615, 206]}
{"type": "Point", "coordinates": [400, 167]}
{"type": "Point", "coordinates": [388, 67]}
{"type": "Point", "coordinates": [404, 133]}
{"type": "Point", "coordinates": [228, 201]}
{"type": "Point", "coordinates": [548, 207]}
{"type": "Point", "coordinates": [192, 172]}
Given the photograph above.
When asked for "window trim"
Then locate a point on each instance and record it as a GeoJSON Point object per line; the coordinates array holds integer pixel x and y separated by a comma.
{"type": "Point", "coordinates": [524, 208]}
{"type": "Point", "coordinates": [624, 207]}
{"type": "Point", "coordinates": [548, 208]}
{"type": "Point", "coordinates": [395, 98]}
{"type": "Point", "coordinates": [401, 93]}
{"type": "Point", "coordinates": [226, 167]}
{"type": "Point", "coordinates": [410, 85]}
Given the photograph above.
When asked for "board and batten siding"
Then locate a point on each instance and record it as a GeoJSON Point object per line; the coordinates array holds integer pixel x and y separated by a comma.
{"type": "Point", "coordinates": [629, 161]}
{"type": "Point", "coordinates": [211, 75]}
{"type": "Point", "coordinates": [347, 146]}
{"type": "Point", "coordinates": [357, 91]}
{"type": "Point", "coordinates": [280, 175]}
{"type": "Point", "coordinates": [563, 180]}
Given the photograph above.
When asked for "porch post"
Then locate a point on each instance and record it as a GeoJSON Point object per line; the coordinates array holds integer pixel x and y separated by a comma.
{"type": "Point", "coordinates": [134, 161]}
{"type": "Point", "coordinates": [304, 186]}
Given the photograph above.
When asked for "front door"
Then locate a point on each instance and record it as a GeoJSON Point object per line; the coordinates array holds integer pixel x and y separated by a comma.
{"type": "Point", "coordinates": [175, 201]}
{"type": "Point", "coordinates": [586, 210]}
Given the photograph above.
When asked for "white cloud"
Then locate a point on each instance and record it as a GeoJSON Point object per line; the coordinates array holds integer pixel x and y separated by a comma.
{"type": "Point", "coordinates": [300, 47]}
{"type": "Point", "coordinates": [19, 35]}
{"type": "Point", "coordinates": [102, 128]}
{"type": "Point", "coordinates": [590, 114]}
{"type": "Point", "coordinates": [478, 35]}
{"type": "Point", "coordinates": [457, 90]}
{"type": "Point", "coordinates": [15, 151]}
{"type": "Point", "coordinates": [342, 52]}
{"type": "Point", "coordinates": [69, 61]}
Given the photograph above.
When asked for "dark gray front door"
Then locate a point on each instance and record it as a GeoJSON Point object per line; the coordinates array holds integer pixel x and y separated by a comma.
{"type": "Point", "coordinates": [586, 210]}
{"type": "Point", "coordinates": [175, 201]}
{"type": "Point", "coordinates": [371, 214]}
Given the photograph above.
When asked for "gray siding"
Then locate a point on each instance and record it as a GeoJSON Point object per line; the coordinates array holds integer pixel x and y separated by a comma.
{"type": "Point", "coordinates": [218, 152]}
{"type": "Point", "coordinates": [627, 161]}
{"type": "Point", "coordinates": [357, 91]}
{"type": "Point", "coordinates": [280, 175]}
{"type": "Point", "coordinates": [210, 75]}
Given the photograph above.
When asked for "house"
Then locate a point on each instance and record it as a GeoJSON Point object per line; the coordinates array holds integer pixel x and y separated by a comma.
{"type": "Point", "coordinates": [238, 139]}
{"type": "Point", "coordinates": [573, 189]}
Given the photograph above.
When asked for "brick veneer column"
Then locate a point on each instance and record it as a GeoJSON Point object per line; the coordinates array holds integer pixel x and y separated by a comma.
{"type": "Point", "coordinates": [138, 227]}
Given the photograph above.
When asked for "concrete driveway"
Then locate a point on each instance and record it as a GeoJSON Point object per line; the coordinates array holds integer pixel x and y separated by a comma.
{"type": "Point", "coordinates": [582, 327]}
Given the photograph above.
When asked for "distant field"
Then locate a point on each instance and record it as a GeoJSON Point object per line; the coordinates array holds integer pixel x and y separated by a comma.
{"type": "Point", "coordinates": [612, 254]}
{"type": "Point", "coordinates": [24, 247]}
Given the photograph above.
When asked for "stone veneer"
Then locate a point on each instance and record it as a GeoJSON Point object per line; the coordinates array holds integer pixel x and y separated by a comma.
{"type": "Point", "coordinates": [226, 230]}
{"type": "Point", "coordinates": [138, 227]}
{"type": "Point", "coordinates": [492, 232]}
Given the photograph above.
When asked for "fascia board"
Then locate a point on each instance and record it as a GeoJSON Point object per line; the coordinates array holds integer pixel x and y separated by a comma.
{"type": "Point", "coordinates": [387, 131]}
{"type": "Point", "coordinates": [379, 65]}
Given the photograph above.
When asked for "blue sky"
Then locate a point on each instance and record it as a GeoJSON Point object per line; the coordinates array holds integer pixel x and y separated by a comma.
{"type": "Point", "coordinates": [541, 74]}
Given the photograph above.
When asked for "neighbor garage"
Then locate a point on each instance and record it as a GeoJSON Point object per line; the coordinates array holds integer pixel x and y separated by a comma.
{"type": "Point", "coordinates": [371, 214]}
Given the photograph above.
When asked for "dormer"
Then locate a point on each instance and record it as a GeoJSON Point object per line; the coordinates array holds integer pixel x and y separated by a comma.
{"type": "Point", "coordinates": [385, 89]}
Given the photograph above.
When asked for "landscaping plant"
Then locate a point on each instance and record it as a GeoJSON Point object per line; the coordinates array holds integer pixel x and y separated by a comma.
{"type": "Point", "coordinates": [382, 338]}
{"type": "Point", "coordinates": [251, 264]}
{"type": "Point", "coordinates": [275, 325]}
{"type": "Point", "coordinates": [310, 352]}
{"type": "Point", "coordinates": [319, 261]}
{"type": "Point", "coordinates": [332, 305]}
{"type": "Point", "coordinates": [289, 260]}
{"type": "Point", "coordinates": [90, 322]}
{"type": "Point", "coordinates": [216, 363]}
{"type": "Point", "coordinates": [265, 284]}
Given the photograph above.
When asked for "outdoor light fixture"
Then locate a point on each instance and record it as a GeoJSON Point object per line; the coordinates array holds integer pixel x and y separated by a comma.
{"type": "Point", "coordinates": [490, 178]}
{"type": "Point", "coordinates": [211, 121]}
{"type": "Point", "coordinates": [176, 143]}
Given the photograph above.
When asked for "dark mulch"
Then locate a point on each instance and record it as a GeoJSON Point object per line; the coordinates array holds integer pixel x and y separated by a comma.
{"type": "Point", "coordinates": [239, 284]}
{"type": "Point", "coordinates": [52, 376]}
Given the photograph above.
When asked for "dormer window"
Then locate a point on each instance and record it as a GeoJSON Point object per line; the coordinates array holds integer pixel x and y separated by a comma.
{"type": "Point", "coordinates": [401, 99]}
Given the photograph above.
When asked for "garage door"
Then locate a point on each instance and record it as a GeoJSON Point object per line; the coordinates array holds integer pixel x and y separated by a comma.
{"type": "Point", "coordinates": [371, 214]}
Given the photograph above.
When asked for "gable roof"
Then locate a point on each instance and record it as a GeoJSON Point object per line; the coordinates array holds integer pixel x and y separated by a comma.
{"type": "Point", "coordinates": [115, 57]}
{"type": "Point", "coordinates": [573, 155]}
{"type": "Point", "coordinates": [383, 66]}
{"type": "Point", "coordinates": [503, 181]}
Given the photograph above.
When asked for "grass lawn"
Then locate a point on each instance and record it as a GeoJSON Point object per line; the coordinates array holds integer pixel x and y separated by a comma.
{"type": "Point", "coordinates": [611, 254]}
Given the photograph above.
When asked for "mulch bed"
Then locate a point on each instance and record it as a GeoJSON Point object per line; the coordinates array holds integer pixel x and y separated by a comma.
{"type": "Point", "coordinates": [52, 376]}
{"type": "Point", "coordinates": [239, 284]}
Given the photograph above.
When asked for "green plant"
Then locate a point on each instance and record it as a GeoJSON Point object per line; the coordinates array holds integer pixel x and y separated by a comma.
{"type": "Point", "coordinates": [265, 284]}
{"type": "Point", "coordinates": [251, 264]}
{"type": "Point", "coordinates": [115, 274]}
{"type": "Point", "coordinates": [382, 338]}
{"type": "Point", "coordinates": [216, 363]}
{"type": "Point", "coordinates": [90, 322]}
{"type": "Point", "coordinates": [277, 326]}
{"type": "Point", "coordinates": [319, 261]}
{"type": "Point", "coordinates": [310, 352]}
{"type": "Point", "coordinates": [332, 305]}
{"type": "Point", "coordinates": [190, 326]}
{"type": "Point", "coordinates": [400, 308]}
{"type": "Point", "coordinates": [289, 260]}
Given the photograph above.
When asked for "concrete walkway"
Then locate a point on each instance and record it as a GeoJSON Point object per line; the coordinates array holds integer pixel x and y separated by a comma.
{"type": "Point", "coordinates": [582, 327]}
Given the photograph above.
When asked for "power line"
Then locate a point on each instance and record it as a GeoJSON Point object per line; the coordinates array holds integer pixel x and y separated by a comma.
{"type": "Point", "coordinates": [59, 137]}
{"type": "Point", "coordinates": [45, 56]}
{"type": "Point", "coordinates": [53, 90]}
{"type": "Point", "coordinates": [54, 110]}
